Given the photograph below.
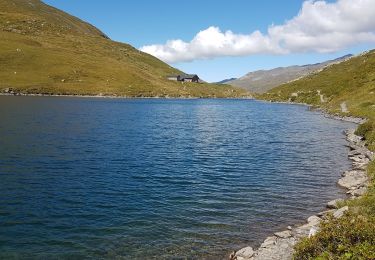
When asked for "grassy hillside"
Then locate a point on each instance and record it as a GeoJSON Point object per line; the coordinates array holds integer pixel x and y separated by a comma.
{"type": "Point", "coordinates": [350, 84]}
{"type": "Point", "coordinates": [44, 50]}
{"type": "Point", "coordinates": [261, 81]}
{"type": "Point", "coordinates": [347, 88]}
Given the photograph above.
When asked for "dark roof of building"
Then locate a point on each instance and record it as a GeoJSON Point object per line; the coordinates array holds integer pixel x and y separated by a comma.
{"type": "Point", "coordinates": [185, 76]}
{"type": "Point", "coordinates": [189, 76]}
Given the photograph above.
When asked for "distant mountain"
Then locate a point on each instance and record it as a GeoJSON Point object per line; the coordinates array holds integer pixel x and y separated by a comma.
{"type": "Point", "coordinates": [47, 51]}
{"type": "Point", "coordinates": [263, 80]}
{"type": "Point", "coordinates": [224, 81]}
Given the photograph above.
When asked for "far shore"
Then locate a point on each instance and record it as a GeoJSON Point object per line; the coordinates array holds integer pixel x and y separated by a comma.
{"type": "Point", "coordinates": [118, 97]}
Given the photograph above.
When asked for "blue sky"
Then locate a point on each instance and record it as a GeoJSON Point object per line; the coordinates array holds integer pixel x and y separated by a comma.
{"type": "Point", "coordinates": [144, 22]}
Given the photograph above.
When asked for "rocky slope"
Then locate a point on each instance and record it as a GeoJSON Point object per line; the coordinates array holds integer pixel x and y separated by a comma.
{"type": "Point", "coordinates": [45, 50]}
{"type": "Point", "coordinates": [263, 80]}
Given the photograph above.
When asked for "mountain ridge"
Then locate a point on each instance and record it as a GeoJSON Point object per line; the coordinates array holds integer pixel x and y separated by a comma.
{"type": "Point", "coordinates": [261, 81]}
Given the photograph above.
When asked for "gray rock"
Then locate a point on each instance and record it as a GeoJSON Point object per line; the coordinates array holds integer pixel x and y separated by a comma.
{"type": "Point", "coordinates": [284, 234]}
{"type": "Point", "coordinates": [301, 231]}
{"type": "Point", "coordinates": [281, 250]}
{"type": "Point", "coordinates": [360, 159]}
{"type": "Point", "coordinates": [354, 153]}
{"type": "Point", "coordinates": [313, 220]}
{"type": "Point", "coordinates": [304, 230]}
{"type": "Point", "coordinates": [325, 213]}
{"type": "Point", "coordinates": [245, 253]}
{"type": "Point", "coordinates": [313, 231]}
{"type": "Point", "coordinates": [359, 166]}
{"type": "Point", "coordinates": [353, 179]}
{"type": "Point", "coordinates": [269, 241]}
{"type": "Point", "coordinates": [357, 192]}
{"type": "Point", "coordinates": [333, 203]}
{"type": "Point", "coordinates": [340, 212]}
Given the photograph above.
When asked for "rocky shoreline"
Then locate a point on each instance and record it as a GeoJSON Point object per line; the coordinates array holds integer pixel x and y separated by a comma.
{"type": "Point", "coordinates": [280, 246]}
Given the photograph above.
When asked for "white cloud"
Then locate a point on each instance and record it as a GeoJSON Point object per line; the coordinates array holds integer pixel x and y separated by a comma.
{"type": "Point", "coordinates": [318, 27]}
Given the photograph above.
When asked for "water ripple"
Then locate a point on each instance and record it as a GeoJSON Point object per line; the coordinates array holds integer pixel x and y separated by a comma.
{"type": "Point", "coordinates": [158, 179]}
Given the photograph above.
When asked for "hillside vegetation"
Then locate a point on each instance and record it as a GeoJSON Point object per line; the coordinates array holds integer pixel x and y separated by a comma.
{"type": "Point", "coordinates": [349, 84]}
{"type": "Point", "coordinates": [261, 81]}
{"type": "Point", "coordinates": [347, 88]}
{"type": "Point", "coordinates": [44, 50]}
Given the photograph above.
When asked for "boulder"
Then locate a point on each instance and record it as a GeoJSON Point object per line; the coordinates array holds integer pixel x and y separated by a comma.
{"type": "Point", "coordinates": [353, 179]}
{"type": "Point", "coordinates": [323, 214]}
{"type": "Point", "coordinates": [245, 253]}
{"type": "Point", "coordinates": [304, 230]}
{"type": "Point", "coordinates": [357, 192]}
{"type": "Point", "coordinates": [314, 220]}
{"type": "Point", "coordinates": [281, 250]}
{"type": "Point", "coordinates": [284, 234]}
{"type": "Point", "coordinates": [8, 90]}
{"type": "Point", "coordinates": [340, 212]}
{"type": "Point", "coordinates": [313, 231]}
{"type": "Point", "coordinates": [269, 241]}
{"type": "Point", "coordinates": [333, 203]}
{"type": "Point", "coordinates": [301, 231]}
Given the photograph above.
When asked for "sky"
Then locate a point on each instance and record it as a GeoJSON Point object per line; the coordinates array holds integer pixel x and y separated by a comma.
{"type": "Point", "coordinates": [219, 39]}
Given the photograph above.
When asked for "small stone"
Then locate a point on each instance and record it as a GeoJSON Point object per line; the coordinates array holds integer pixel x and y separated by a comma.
{"type": "Point", "coordinates": [283, 234]}
{"type": "Point", "coordinates": [245, 253]}
{"type": "Point", "coordinates": [289, 228]}
{"type": "Point", "coordinates": [313, 231]}
{"type": "Point", "coordinates": [325, 213]}
{"type": "Point", "coordinates": [357, 192]}
{"type": "Point", "coordinates": [314, 220]}
{"type": "Point", "coordinates": [269, 242]}
{"type": "Point", "coordinates": [340, 212]}
{"type": "Point", "coordinates": [301, 231]}
{"type": "Point", "coordinates": [333, 203]}
{"type": "Point", "coordinates": [353, 179]}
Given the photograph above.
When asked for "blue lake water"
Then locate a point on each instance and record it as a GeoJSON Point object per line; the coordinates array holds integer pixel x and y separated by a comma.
{"type": "Point", "coordinates": [91, 178]}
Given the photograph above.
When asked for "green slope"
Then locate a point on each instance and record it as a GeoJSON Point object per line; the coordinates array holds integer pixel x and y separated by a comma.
{"type": "Point", "coordinates": [44, 50]}
{"type": "Point", "coordinates": [351, 83]}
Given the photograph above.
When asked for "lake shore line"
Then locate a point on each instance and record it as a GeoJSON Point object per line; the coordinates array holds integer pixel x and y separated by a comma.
{"type": "Point", "coordinates": [117, 96]}
{"type": "Point", "coordinates": [280, 246]}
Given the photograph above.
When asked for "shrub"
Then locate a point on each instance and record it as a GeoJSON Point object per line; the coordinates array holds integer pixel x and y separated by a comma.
{"type": "Point", "coordinates": [351, 237]}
